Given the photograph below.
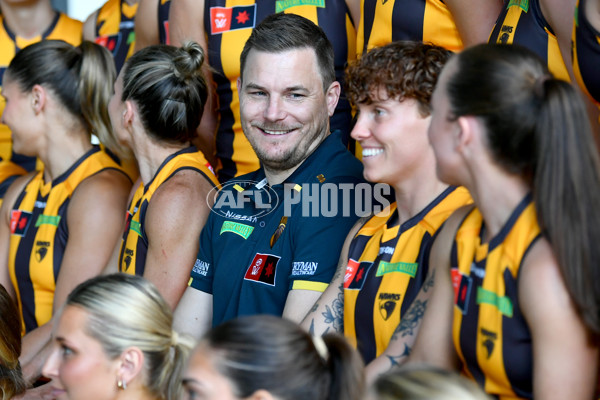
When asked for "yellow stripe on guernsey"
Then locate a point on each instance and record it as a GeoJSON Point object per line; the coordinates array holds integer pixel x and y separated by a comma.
{"type": "Point", "coordinates": [41, 268]}
{"type": "Point", "coordinates": [517, 9]}
{"type": "Point", "coordinates": [130, 259]}
{"type": "Point", "coordinates": [437, 24]}
{"type": "Point", "coordinates": [493, 304]}
{"type": "Point", "coordinates": [439, 27]}
{"type": "Point", "coordinates": [109, 19]}
{"type": "Point", "coordinates": [374, 242]}
{"type": "Point", "coordinates": [66, 29]}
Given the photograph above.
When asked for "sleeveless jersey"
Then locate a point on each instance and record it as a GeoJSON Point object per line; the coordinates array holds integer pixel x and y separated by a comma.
{"type": "Point", "coordinates": [39, 235]}
{"type": "Point", "coordinates": [521, 22]}
{"type": "Point", "coordinates": [62, 27]}
{"type": "Point", "coordinates": [228, 24]}
{"type": "Point", "coordinates": [586, 54]}
{"type": "Point", "coordinates": [385, 21]}
{"type": "Point", "coordinates": [134, 245]}
{"type": "Point", "coordinates": [163, 21]}
{"type": "Point", "coordinates": [387, 265]}
{"type": "Point", "coordinates": [490, 334]}
{"type": "Point", "coordinates": [114, 29]}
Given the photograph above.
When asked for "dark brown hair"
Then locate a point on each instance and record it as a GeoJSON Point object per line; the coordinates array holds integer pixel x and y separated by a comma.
{"type": "Point", "coordinates": [274, 354]}
{"type": "Point", "coordinates": [281, 32]}
{"type": "Point", "coordinates": [405, 70]}
{"type": "Point", "coordinates": [11, 377]}
{"type": "Point", "coordinates": [537, 127]}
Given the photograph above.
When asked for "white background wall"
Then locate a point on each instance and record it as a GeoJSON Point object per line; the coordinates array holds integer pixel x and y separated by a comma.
{"type": "Point", "coordinates": [80, 9]}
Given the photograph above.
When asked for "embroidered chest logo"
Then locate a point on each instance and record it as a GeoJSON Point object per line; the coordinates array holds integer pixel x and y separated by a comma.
{"type": "Point", "coordinates": [263, 269]}
{"type": "Point", "coordinates": [489, 341]}
{"type": "Point", "coordinates": [387, 304]}
{"type": "Point", "coordinates": [111, 42]}
{"type": "Point", "coordinates": [224, 19]}
{"type": "Point", "coordinates": [19, 222]}
{"type": "Point", "coordinates": [356, 274]}
{"type": "Point", "coordinates": [41, 250]}
{"type": "Point", "coordinates": [282, 5]}
{"type": "Point", "coordinates": [462, 289]}
{"type": "Point", "coordinates": [127, 260]}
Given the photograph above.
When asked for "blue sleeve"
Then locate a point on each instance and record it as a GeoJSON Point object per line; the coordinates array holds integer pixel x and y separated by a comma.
{"type": "Point", "coordinates": [203, 271]}
{"type": "Point", "coordinates": [318, 241]}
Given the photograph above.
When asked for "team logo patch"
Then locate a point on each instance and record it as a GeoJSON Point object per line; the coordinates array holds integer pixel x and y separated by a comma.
{"type": "Point", "coordinates": [356, 273]}
{"type": "Point", "coordinates": [42, 219]}
{"type": "Point", "coordinates": [282, 5]}
{"type": "Point", "coordinates": [387, 304]}
{"type": "Point", "coordinates": [127, 260]}
{"type": "Point", "coordinates": [402, 267]}
{"type": "Point", "coordinates": [262, 269]}
{"type": "Point", "coordinates": [524, 4]}
{"type": "Point", "coordinates": [42, 250]}
{"type": "Point", "coordinates": [502, 303]}
{"type": "Point", "coordinates": [462, 289]}
{"type": "Point", "coordinates": [489, 341]}
{"type": "Point", "coordinates": [111, 42]}
{"type": "Point", "coordinates": [239, 229]}
{"type": "Point", "coordinates": [19, 222]}
{"type": "Point", "coordinates": [224, 19]}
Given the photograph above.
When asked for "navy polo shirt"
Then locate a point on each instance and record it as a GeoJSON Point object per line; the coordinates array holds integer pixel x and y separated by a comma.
{"type": "Point", "coordinates": [262, 241]}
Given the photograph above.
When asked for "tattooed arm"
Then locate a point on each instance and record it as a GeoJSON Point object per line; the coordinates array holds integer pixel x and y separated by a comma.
{"type": "Point", "coordinates": [434, 344]}
{"type": "Point", "coordinates": [403, 338]}
{"type": "Point", "coordinates": [327, 315]}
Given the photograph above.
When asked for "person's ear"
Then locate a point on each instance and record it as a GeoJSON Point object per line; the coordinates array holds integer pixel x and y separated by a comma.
{"type": "Point", "coordinates": [131, 365]}
{"type": "Point", "coordinates": [38, 98]}
{"type": "Point", "coordinates": [128, 113]}
{"type": "Point", "coordinates": [332, 95]}
{"type": "Point", "coordinates": [261, 394]}
{"type": "Point", "coordinates": [467, 128]}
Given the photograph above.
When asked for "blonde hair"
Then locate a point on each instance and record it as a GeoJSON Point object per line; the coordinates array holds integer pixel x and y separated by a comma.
{"type": "Point", "coordinates": [127, 310]}
{"type": "Point", "coordinates": [426, 383]}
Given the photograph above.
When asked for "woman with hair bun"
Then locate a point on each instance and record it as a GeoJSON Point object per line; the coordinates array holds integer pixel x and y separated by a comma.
{"type": "Point", "coordinates": [159, 98]}
{"type": "Point", "coordinates": [270, 358]}
{"type": "Point", "coordinates": [114, 339]}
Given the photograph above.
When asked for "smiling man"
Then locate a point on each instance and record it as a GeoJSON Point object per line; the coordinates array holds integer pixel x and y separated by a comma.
{"type": "Point", "coordinates": [271, 244]}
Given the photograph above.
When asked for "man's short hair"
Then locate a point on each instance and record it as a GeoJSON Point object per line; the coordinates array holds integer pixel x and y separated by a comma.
{"type": "Point", "coordinates": [284, 32]}
{"type": "Point", "coordinates": [404, 69]}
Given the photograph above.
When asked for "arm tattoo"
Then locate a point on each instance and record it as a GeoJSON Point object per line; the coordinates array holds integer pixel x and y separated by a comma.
{"type": "Point", "coordinates": [334, 315]}
{"type": "Point", "coordinates": [411, 320]}
{"type": "Point", "coordinates": [429, 282]}
{"type": "Point", "coordinates": [395, 360]}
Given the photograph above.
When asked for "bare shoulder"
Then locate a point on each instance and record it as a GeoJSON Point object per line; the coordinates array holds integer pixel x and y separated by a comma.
{"type": "Point", "coordinates": [89, 26]}
{"type": "Point", "coordinates": [184, 186]}
{"type": "Point", "coordinates": [541, 286]}
{"type": "Point", "coordinates": [105, 186]}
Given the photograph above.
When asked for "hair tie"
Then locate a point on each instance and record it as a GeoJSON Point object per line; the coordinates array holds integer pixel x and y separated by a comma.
{"type": "Point", "coordinates": [321, 347]}
{"type": "Point", "coordinates": [174, 338]}
{"type": "Point", "coordinates": [539, 85]}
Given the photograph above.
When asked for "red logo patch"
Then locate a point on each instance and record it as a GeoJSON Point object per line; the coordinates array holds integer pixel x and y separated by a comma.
{"type": "Point", "coordinates": [224, 19]}
{"type": "Point", "coordinates": [19, 222]}
{"type": "Point", "coordinates": [263, 269]}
